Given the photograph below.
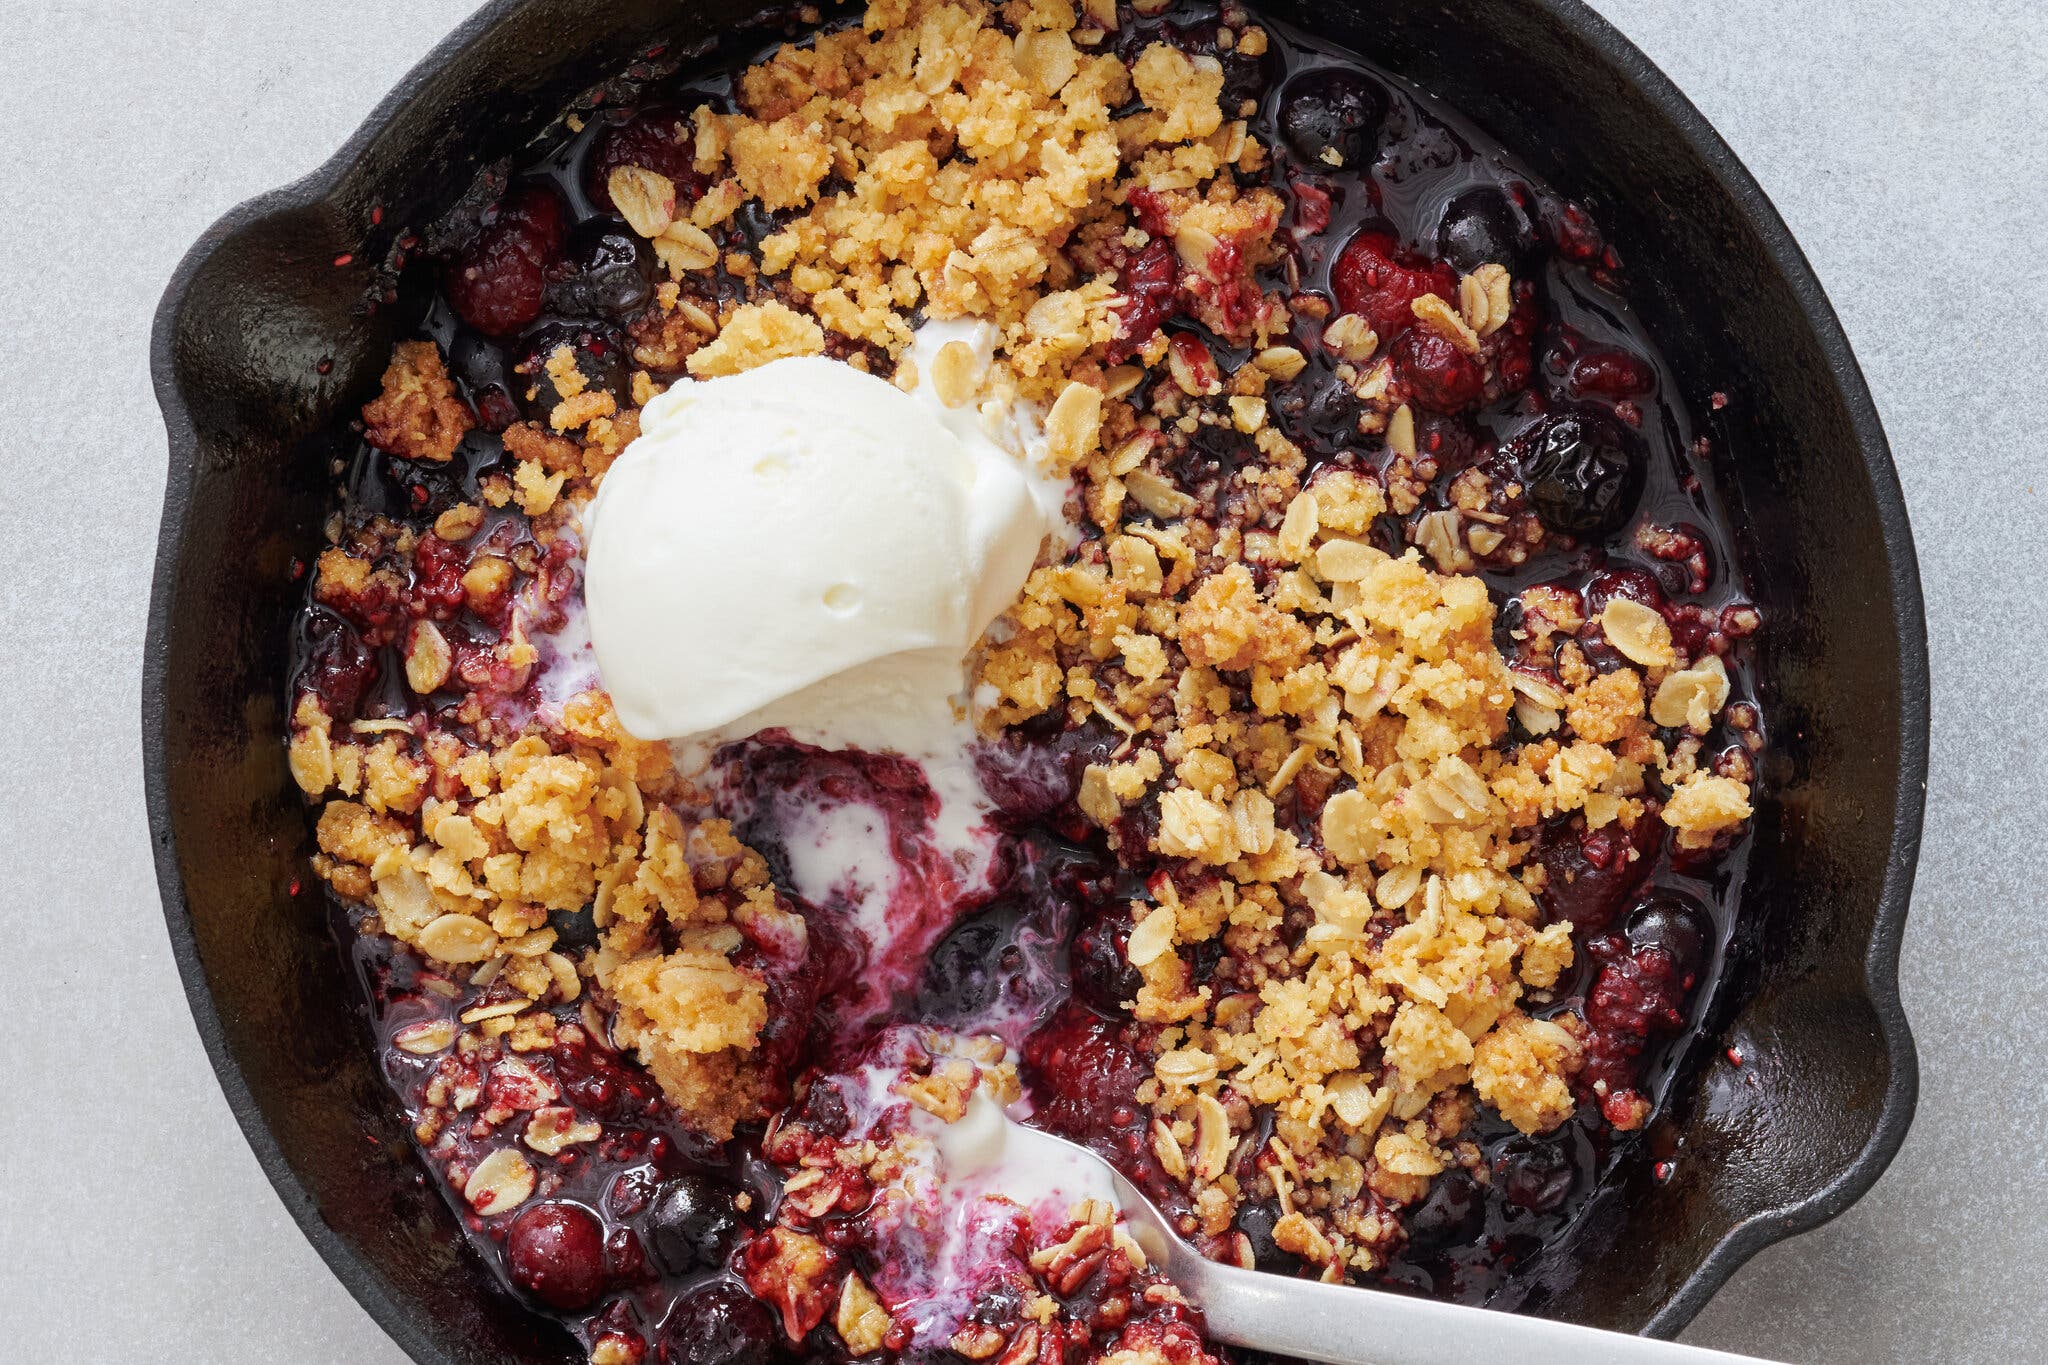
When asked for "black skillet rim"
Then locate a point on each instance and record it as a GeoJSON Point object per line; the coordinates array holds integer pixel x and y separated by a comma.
{"type": "Point", "coordinates": [1740, 1243]}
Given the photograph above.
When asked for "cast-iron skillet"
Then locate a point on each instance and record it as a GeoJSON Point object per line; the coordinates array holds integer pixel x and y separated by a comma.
{"type": "Point", "coordinates": [261, 342]}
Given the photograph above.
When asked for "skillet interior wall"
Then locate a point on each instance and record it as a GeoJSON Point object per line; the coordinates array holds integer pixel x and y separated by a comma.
{"type": "Point", "coordinates": [267, 305]}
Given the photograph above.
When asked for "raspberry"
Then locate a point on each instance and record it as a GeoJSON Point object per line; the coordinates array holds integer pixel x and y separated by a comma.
{"type": "Point", "coordinates": [499, 281]}
{"type": "Point", "coordinates": [1149, 282]}
{"type": "Point", "coordinates": [1370, 280]}
{"type": "Point", "coordinates": [1439, 376]}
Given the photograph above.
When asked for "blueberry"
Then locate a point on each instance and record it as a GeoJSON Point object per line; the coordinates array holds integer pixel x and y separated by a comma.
{"type": "Point", "coordinates": [479, 365]}
{"type": "Point", "coordinates": [1483, 227]}
{"type": "Point", "coordinates": [718, 1323]}
{"type": "Point", "coordinates": [1332, 111]}
{"type": "Point", "coordinates": [691, 1224]}
{"type": "Point", "coordinates": [573, 928]}
{"type": "Point", "coordinates": [963, 976]}
{"type": "Point", "coordinates": [1103, 975]}
{"type": "Point", "coordinates": [1534, 1175]}
{"type": "Point", "coordinates": [824, 1110]}
{"type": "Point", "coordinates": [1583, 473]}
{"type": "Point", "coordinates": [1256, 1221]}
{"type": "Point", "coordinates": [606, 271]}
{"type": "Point", "coordinates": [1453, 1213]}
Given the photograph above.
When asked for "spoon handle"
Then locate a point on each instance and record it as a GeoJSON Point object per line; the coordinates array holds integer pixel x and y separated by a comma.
{"type": "Point", "coordinates": [1342, 1325]}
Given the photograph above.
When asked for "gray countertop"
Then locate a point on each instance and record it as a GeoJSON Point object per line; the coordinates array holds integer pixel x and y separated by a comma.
{"type": "Point", "coordinates": [1903, 141]}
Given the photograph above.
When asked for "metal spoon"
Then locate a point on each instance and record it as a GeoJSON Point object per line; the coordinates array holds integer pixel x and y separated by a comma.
{"type": "Point", "coordinates": [1346, 1325]}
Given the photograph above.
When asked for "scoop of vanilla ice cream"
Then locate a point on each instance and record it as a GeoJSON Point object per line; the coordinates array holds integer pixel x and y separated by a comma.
{"type": "Point", "coordinates": [806, 545]}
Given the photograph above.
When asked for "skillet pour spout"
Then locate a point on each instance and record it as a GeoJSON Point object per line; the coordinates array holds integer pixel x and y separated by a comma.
{"type": "Point", "coordinates": [263, 341]}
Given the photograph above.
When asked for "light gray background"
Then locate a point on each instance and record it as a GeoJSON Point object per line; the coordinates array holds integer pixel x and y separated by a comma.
{"type": "Point", "coordinates": [1904, 142]}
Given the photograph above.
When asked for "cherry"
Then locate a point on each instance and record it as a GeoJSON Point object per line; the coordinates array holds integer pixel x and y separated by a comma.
{"type": "Point", "coordinates": [555, 1252]}
{"type": "Point", "coordinates": [656, 138]}
{"type": "Point", "coordinates": [1589, 873]}
{"type": "Point", "coordinates": [497, 283]}
{"type": "Point", "coordinates": [1674, 928]}
{"type": "Point", "coordinates": [1483, 227]}
{"type": "Point", "coordinates": [691, 1224]}
{"type": "Point", "coordinates": [1634, 584]}
{"type": "Point", "coordinates": [1329, 111]}
{"type": "Point", "coordinates": [1372, 280]}
{"type": "Point", "coordinates": [1439, 376]}
{"type": "Point", "coordinates": [1583, 473]}
{"type": "Point", "coordinates": [717, 1323]}
{"type": "Point", "coordinates": [606, 271]}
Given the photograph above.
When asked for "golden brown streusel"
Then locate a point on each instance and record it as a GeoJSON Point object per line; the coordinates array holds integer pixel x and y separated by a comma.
{"type": "Point", "coordinates": [419, 415]}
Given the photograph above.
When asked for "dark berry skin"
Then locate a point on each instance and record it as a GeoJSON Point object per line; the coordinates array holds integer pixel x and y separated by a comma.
{"type": "Point", "coordinates": [481, 366]}
{"type": "Point", "coordinates": [1673, 928]}
{"type": "Point", "coordinates": [498, 282]}
{"type": "Point", "coordinates": [606, 272]}
{"type": "Point", "coordinates": [1483, 227]}
{"type": "Point", "coordinates": [1332, 110]}
{"type": "Point", "coordinates": [718, 1323]}
{"type": "Point", "coordinates": [658, 139]}
{"type": "Point", "coordinates": [601, 359]}
{"type": "Point", "coordinates": [1454, 1212]}
{"type": "Point", "coordinates": [1534, 1174]}
{"type": "Point", "coordinates": [573, 928]}
{"type": "Point", "coordinates": [965, 971]}
{"type": "Point", "coordinates": [1591, 873]}
{"type": "Point", "coordinates": [691, 1224]}
{"type": "Point", "coordinates": [555, 1252]}
{"type": "Point", "coordinates": [339, 667]}
{"type": "Point", "coordinates": [1102, 972]}
{"type": "Point", "coordinates": [1374, 280]}
{"type": "Point", "coordinates": [1256, 1221]}
{"type": "Point", "coordinates": [1583, 473]}
{"type": "Point", "coordinates": [1439, 376]}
